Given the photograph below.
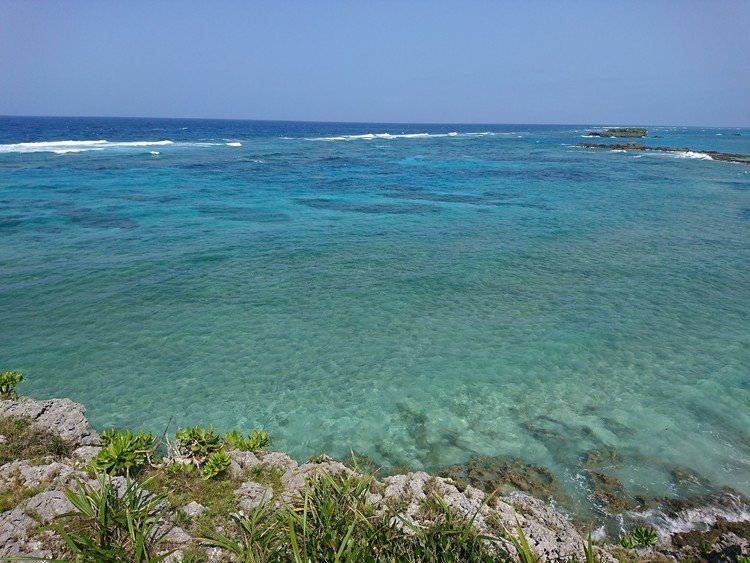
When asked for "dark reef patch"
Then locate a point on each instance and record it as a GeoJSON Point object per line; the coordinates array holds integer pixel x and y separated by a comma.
{"type": "Point", "coordinates": [97, 219]}
{"type": "Point", "coordinates": [243, 214]}
{"type": "Point", "coordinates": [505, 474]}
{"type": "Point", "coordinates": [368, 208]}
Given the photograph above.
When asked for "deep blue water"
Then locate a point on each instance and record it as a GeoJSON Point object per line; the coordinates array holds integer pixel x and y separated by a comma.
{"type": "Point", "coordinates": [419, 299]}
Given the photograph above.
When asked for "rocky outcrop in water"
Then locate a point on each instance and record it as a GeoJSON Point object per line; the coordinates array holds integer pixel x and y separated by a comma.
{"type": "Point", "coordinates": [627, 132]}
{"type": "Point", "coordinates": [633, 146]}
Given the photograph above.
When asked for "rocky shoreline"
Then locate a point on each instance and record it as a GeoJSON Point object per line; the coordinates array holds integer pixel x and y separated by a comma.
{"type": "Point", "coordinates": [38, 487]}
{"type": "Point", "coordinates": [633, 146]}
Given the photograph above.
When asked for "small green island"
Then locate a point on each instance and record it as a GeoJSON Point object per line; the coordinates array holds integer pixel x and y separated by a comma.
{"type": "Point", "coordinates": [623, 132]}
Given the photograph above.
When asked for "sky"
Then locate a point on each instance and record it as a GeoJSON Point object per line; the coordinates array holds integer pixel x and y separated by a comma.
{"type": "Point", "coordinates": [654, 62]}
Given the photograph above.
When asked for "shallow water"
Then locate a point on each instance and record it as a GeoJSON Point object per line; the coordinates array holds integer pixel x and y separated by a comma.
{"type": "Point", "coordinates": [416, 299]}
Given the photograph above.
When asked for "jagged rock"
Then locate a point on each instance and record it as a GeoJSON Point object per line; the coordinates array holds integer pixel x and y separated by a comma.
{"type": "Point", "coordinates": [294, 480]}
{"type": "Point", "coordinates": [236, 470]}
{"type": "Point", "coordinates": [193, 509]}
{"type": "Point", "coordinates": [14, 525]}
{"type": "Point", "coordinates": [175, 535]}
{"type": "Point", "coordinates": [246, 460]}
{"type": "Point", "coordinates": [48, 505]}
{"type": "Point", "coordinates": [253, 495]}
{"type": "Point", "coordinates": [85, 454]}
{"type": "Point", "coordinates": [62, 416]}
{"type": "Point", "coordinates": [280, 460]}
{"type": "Point", "coordinates": [22, 473]}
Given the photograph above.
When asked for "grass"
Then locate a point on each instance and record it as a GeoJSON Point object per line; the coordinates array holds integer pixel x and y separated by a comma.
{"type": "Point", "coordinates": [268, 475]}
{"type": "Point", "coordinates": [16, 493]}
{"type": "Point", "coordinates": [182, 487]}
{"type": "Point", "coordinates": [23, 440]}
{"type": "Point", "coordinates": [333, 521]}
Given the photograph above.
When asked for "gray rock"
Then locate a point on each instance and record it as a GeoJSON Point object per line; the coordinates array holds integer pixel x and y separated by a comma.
{"type": "Point", "coordinates": [193, 509]}
{"type": "Point", "coordinates": [252, 495]}
{"type": "Point", "coordinates": [22, 473]}
{"type": "Point", "coordinates": [48, 505]}
{"type": "Point", "coordinates": [246, 460]}
{"type": "Point", "coordinates": [236, 470]}
{"type": "Point", "coordinates": [280, 460]}
{"type": "Point", "coordinates": [62, 416]}
{"type": "Point", "coordinates": [85, 454]}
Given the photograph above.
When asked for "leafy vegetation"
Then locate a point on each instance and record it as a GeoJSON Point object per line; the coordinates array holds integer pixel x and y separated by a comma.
{"type": "Point", "coordinates": [333, 521]}
{"type": "Point", "coordinates": [217, 462]}
{"type": "Point", "coordinates": [195, 444]}
{"type": "Point", "coordinates": [123, 452]}
{"type": "Point", "coordinates": [257, 441]}
{"type": "Point", "coordinates": [9, 380]}
{"type": "Point", "coordinates": [24, 440]}
{"type": "Point", "coordinates": [643, 536]}
{"type": "Point", "coordinates": [639, 537]}
{"type": "Point", "coordinates": [112, 525]}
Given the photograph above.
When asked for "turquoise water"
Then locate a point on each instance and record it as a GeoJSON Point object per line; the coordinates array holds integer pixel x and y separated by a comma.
{"type": "Point", "coordinates": [419, 299]}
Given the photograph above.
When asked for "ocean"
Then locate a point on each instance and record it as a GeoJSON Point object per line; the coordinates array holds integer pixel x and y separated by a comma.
{"type": "Point", "coordinates": [416, 294]}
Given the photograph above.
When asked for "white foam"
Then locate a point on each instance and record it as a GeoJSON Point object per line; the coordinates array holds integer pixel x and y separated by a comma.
{"type": "Point", "coordinates": [155, 152]}
{"type": "Point", "coordinates": [64, 147]}
{"type": "Point", "coordinates": [392, 136]}
{"type": "Point", "coordinates": [618, 150]}
{"type": "Point", "coordinates": [234, 144]}
{"type": "Point", "coordinates": [692, 154]}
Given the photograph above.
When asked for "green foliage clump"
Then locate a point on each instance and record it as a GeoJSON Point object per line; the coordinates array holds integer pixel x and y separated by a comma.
{"type": "Point", "coordinates": [217, 462]}
{"type": "Point", "coordinates": [9, 380]}
{"type": "Point", "coordinates": [123, 452]}
{"type": "Point", "coordinates": [24, 440]}
{"type": "Point", "coordinates": [334, 521]}
{"type": "Point", "coordinates": [197, 443]}
{"type": "Point", "coordinates": [255, 442]}
{"type": "Point", "coordinates": [639, 537]}
{"type": "Point", "coordinates": [111, 525]}
{"type": "Point", "coordinates": [643, 536]}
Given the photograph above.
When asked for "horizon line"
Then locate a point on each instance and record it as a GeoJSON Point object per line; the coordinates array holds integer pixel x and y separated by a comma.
{"type": "Point", "coordinates": [629, 124]}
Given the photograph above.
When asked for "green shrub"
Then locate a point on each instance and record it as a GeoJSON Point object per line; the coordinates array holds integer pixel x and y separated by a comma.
{"type": "Point", "coordinates": [217, 462]}
{"type": "Point", "coordinates": [123, 452]}
{"type": "Point", "coordinates": [196, 443]}
{"type": "Point", "coordinates": [643, 537]}
{"type": "Point", "coordinates": [627, 542]}
{"type": "Point", "coordinates": [9, 380]}
{"type": "Point", "coordinates": [255, 442]}
{"type": "Point", "coordinates": [333, 521]}
{"type": "Point", "coordinates": [110, 526]}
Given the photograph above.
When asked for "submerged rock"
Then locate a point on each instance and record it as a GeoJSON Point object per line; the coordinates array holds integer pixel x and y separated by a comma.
{"type": "Point", "coordinates": [504, 474]}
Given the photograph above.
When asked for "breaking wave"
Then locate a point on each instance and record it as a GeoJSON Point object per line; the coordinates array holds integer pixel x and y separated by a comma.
{"type": "Point", "coordinates": [63, 147]}
{"type": "Point", "coordinates": [391, 136]}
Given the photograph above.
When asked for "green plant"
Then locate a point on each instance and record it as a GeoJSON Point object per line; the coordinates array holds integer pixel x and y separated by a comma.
{"type": "Point", "coordinates": [334, 521]}
{"type": "Point", "coordinates": [588, 550]}
{"type": "Point", "coordinates": [196, 444]}
{"type": "Point", "coordinates": [108, 525]}
{"type": "Point", "coordinates": [525, 555]}
{"type": "Point", "coordinates": [123, 452]}
{"type": "Point", "coordinates": [9, 380]}
{"type": "Point", "coordinates": [643, 536]}
{"type": "Point", "coordinates": [705, 546]}
{"type": "Point", "coordinates": [256, 441]}
{"type": "Point", "coordinates": [627, 542]}
{"type": "Point", "coordinates": [217, 462]}
{"type": "Point", "coordinates": [743, 559]}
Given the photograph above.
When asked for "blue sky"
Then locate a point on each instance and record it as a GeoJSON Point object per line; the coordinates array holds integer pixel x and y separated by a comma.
{"type": "Point", "coordinates": [650, 62]}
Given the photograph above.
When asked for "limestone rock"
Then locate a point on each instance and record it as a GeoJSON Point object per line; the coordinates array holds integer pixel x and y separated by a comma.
{"type": "Point", "coordinates": [48, 505]}
{"type": "Point", "coordinates": [193, 509]}
{"type": "Point", "coordinates": [253, 495]}
{"type": "Point", "coordinates": [62, 416]}
{"type": "Point", "coordinates": [246, 460]}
